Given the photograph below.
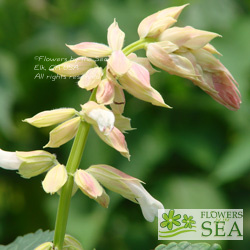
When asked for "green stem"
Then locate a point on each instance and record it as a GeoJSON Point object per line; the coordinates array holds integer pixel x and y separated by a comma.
{"type": "Point", "coordinates": [66, 192]}
{"type": "Point", "coordinates": [140, 44]}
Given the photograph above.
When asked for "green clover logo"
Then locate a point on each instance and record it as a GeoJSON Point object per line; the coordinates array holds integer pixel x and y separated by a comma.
{"type": "Point", "coordinates": [170, 219]}
{"type": "Point", "coordinates": [188, 221]}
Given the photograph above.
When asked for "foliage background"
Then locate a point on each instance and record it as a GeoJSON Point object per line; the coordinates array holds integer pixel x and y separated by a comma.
{"type": "Point", "coordinates": [194, 156]}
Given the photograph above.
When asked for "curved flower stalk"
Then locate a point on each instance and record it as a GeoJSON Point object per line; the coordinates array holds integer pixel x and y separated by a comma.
{"type": "Point", "coordinates": [186, 52]}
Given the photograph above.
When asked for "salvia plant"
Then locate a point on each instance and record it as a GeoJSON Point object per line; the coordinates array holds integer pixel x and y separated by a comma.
{"type": "Point", "coordinates": [181, 51]}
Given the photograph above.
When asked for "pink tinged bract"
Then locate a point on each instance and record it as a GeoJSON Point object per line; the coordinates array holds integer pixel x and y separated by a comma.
{"type": "Point", "coordinates": [35, 162]}
{"type": "Point", "coordinates": [208, 62]}
{"type": "Point", "coordinates": [51, 117]}
{"type": "Point", "coordinates": [123, 123]}
{"type": "Point", "coordinates": [210, 48]}
{"type": "Point", "coordinates": [90, 49]}
{"type": "Point", "coordinates": [55, 179]}
{"type": "Point", "coordinates": [118, 63]}
{"type": "Point", "coordinates": [63, 133]}
{"type": "Point", "coordinates": [215, 79]}
{"type": "Point", "coordinates": [74, 67]}
{"type": "Point", "coordinates": [91, 78]}
{"type": "Point", "coordinates": [115, 139]}
{"type": "Point", "coordinates": [142, 61]}
{"type": "Point", "coordinates": [172, 63]}
{"type": "Point", "coordinates": [91, 187]}
{"type": "Point", "coordinates": [113, 179]}
{"type": "Point", "coordinates": [153, 25]}
{"type": "Point", "coordinates": [119, 100]}
{"type": "Point", "coordinates": [228, 94]}
{"type": "Point", "coordinates": [137, 82]}
{"type": "Point", "coordinates": [115, 36]}
{"type": "Point", "coordinates": [105, 92]}
{"type": "Point", "coordinates": [188, 37]}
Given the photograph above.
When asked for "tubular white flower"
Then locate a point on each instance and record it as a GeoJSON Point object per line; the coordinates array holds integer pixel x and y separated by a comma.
{"type": "Point", "coordinates": [127, 186]}
{"type": "Point", "coordinates": [105, 119]}
{"type": "Point", "coordinates": [148, 204]}
{"type": "Point", "coordinates": [9, 160]}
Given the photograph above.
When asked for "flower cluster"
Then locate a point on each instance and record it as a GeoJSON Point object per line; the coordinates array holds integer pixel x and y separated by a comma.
{"type": "Point", "coordinates": [182, 51]}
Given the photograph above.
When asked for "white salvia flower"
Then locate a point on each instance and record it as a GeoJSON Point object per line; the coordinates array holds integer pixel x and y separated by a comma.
{"type": "Point", "coordinates": [105, 119]}
{"type": "Point", "coordinates": [148, 204]}
{"type": "Point", "coordinates": [9, 160]}
{"type": "Point", "coordinates": [127, 186]}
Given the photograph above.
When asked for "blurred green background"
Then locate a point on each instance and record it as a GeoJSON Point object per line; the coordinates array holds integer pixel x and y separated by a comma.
{"type": "Point", "coordinates": [196, 155]}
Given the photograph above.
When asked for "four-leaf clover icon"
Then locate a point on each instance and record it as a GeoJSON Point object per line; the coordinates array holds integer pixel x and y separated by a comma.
{"type": "Point", "coordinates": [170, 219]}
{"type": "Point", "coordinates": [188, 221]}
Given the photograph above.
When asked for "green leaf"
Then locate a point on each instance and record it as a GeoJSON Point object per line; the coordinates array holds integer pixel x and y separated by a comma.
{"type": "Point", "coordinates": [29, 241]}
{"type": "Point", "coordinates": [188, 246]}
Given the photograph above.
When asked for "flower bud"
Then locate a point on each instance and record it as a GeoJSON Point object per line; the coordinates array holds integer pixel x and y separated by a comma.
{"type": "Point", "coordinates": [153, 25]}
{"type": "Point", "coordinates": [45, 246]}
{"type": "Point", "coordinates": [28, 164]}
{"type": "Point", "coordinates": [172, 63]}
{"type": "Point", "coordinates": [35, 162]}
{"type": "Point", "coordinates": [91, 187]}
{"type": "Point", "coordinates": [218, 78]}
{"type": "Point", "coordinates": [127, 186]}
{"type": "Point", "coordinates": [74, 67]}
{"type": "Point", "coordinates": [70, 243]}
{"type": "Point", "coordinates": [89, 49]}
{"type": "Point", "coordinates": [63, 133]}
{"type": "Point", "coordinates": [210, 48]}
{"type": "Point", "coordinates": [118, 63]}
{"type": "Point", "coordinates": [91, 78]}
{"type": "Point", "coordinates": [51, 117]}
{"type": "Point", "coordinates": [105, 92]}
{"type": "Point", "coordinates": [55, 179]}
{"type": "Point", "coordinates": [137, 82]}
{"type": "Point", "coordinates": [115, 36]}
{"type": "Point", "coordinates": [188, 37]}
{"type": "Point", "coordinates": [142, 61]}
